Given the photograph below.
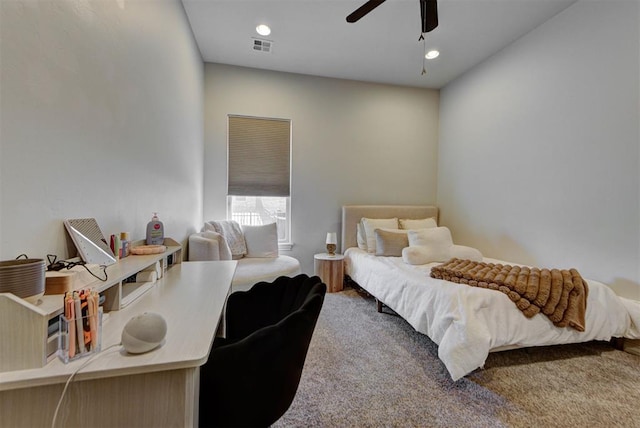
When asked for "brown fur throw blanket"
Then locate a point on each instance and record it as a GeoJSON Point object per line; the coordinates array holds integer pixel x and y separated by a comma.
{"type": "Point", "coordinates": [561, 295]}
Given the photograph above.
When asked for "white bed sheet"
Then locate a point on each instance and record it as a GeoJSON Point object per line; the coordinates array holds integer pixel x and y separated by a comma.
{"type": "Point", "coordinates": [469, 322]}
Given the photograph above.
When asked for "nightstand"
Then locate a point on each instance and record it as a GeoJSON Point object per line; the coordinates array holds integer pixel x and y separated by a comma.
{"type": "Point", "coordinates": [330, 268]}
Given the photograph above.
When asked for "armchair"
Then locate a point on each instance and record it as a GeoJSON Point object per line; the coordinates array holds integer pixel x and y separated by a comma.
{"type": "Point", "coordinates": [258, 259]}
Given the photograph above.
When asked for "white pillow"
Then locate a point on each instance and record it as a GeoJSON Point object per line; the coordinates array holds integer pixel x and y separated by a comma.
{"type": "Point", "coordinates": [361, 237]}
{"type": "Point", "coordinates": [423, 254]}
{"type": "Point", "coordinates": [371, 224]}
{"type": "Point", "coordinates": [262, 241]}
{"type": "Point", "coordinates": [433, 245]}
{"type": "Point", "coordinates": [466, 253]}
{"type": "Point", "coordinates": [412, 224]}
{"type": "Point", "coordinates": [437, 237]}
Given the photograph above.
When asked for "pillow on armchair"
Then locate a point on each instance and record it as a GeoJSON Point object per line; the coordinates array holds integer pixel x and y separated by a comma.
{"type": "Point", "coordinates": [262, 241]}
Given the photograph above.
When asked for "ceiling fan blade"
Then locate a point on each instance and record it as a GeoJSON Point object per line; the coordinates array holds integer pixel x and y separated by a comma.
{"type": "Point", "coordinates": [363, 10]}
{"type": "Point", "coordinates": [428, 15]}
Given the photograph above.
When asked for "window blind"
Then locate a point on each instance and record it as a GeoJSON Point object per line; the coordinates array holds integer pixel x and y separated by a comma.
{"type": "Point", "coordinates": [259, 156]}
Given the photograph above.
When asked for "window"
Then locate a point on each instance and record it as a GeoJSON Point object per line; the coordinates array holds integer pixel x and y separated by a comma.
{"type": "Point", "coordinates": [259, 172]}
{"type": "Point", "coordinates": [256, 210]}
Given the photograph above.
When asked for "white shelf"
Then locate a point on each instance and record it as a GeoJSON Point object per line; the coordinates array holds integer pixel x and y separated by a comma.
{"type": "Point", "coordinates": [24, 326]}
{"type": "Point", "coordinates": [133, 290]}
{"type": "Point", "coordinates": [191, 298]}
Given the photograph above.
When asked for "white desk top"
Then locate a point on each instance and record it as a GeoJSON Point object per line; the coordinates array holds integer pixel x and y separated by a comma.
{"type": "Point", "coordinates": [190, 297]}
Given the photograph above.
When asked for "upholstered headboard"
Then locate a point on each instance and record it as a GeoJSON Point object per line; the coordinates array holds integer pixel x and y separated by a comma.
{"type": "Point", "coordinates": [351, 215]}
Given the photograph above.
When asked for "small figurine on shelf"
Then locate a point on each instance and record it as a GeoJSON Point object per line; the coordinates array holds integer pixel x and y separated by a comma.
{"type": "Point", "coordinates": [124, 244]}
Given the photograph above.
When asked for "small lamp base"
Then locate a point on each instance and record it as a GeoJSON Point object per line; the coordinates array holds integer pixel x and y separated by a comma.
{"type": "Point", "coordinates": [331, 249]}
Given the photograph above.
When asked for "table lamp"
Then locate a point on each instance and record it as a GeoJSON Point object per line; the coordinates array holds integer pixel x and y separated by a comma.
{"type": "Point", "coordinates": [331, 243]}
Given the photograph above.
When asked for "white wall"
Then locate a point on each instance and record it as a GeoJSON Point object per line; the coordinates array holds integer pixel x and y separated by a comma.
{"type": "Point", "coordinates": [539, 147]}
{"type": "Point", "coordinates": [101, 116]}
{"type": "Point", "coordinates": [353, 143]}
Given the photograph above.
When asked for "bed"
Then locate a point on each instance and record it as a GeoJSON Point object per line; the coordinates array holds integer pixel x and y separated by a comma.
{"type": "Point", "coordinates": [468, 322]}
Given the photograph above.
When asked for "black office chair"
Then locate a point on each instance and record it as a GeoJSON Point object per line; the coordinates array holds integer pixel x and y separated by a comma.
{"type": "Point", "coordinates": [252, 375]}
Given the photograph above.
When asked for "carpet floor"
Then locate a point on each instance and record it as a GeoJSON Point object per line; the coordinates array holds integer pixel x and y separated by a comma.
{"type": "Point", "coordinates": [370, 369]}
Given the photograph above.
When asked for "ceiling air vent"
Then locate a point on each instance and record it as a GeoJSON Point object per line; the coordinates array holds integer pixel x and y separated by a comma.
{"type": "Point", "coordinates": [262, 45]}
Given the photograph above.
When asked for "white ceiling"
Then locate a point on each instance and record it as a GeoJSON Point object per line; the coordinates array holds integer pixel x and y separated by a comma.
{"type": "Point", "coordinates": [312, 36]}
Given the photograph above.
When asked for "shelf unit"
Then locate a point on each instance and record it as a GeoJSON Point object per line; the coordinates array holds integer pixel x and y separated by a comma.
{"type": "Point", "coordinates": [24, 327]}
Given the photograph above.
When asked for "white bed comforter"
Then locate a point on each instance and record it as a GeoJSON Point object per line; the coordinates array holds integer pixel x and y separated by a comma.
{"type": "Point", "coordinates": [469, 322]}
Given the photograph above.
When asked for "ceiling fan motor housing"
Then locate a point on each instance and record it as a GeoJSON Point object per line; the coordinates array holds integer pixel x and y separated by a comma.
{"type": "Point", "coordinates": [428, 13]}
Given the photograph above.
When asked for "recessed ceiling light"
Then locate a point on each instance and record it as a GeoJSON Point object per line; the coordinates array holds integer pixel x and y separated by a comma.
{"type": "Point", "coordinates": [432, 54]}
{"type": "Point", "coordinates": [263, 30]}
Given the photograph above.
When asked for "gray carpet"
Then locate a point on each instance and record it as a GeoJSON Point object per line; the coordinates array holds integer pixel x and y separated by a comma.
{"type": "Point", "coordinates": [366, 369]}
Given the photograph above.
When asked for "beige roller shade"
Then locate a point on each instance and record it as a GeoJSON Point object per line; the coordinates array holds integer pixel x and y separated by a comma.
{"type": "Point", "coordinates": [259, 156]}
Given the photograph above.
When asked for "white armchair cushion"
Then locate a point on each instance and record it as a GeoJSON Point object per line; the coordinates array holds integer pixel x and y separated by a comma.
{"type": "Point", "coordinates": [205, 246]}
{"type": "Point", "coordinates": [253, 270]}
{"type": "Point", "coordinates": [262, 241]}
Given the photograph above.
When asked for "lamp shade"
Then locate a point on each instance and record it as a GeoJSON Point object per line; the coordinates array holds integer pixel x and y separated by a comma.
{"type": "Point", "coordinates": [331, 238]}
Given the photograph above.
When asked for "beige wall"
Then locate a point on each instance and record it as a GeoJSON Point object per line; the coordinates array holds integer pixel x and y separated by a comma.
{"type": "Point", "coordinates": [353, 142]}
{"type": "Point", "coordinates": [539, 147]}
{"type": "Point", "coordinates": [100, 116]}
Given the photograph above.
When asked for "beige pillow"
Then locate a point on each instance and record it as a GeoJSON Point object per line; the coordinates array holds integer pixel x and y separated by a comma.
{"type": "Point", "coordinates": [412, 224]}
{"type": "Point", "coordinates": [390, 242]}
{"type": "Point", "coordinates": [371, 224]}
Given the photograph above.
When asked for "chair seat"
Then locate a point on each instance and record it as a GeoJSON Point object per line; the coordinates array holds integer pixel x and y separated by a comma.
{"type": "Point", "coordinates": [252, 270]}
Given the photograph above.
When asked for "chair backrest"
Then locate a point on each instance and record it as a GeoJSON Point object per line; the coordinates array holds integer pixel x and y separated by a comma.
{"type": "Point", "coordinates": [266, 303]}
{"type": "Point", "coordinates": [252, 381]}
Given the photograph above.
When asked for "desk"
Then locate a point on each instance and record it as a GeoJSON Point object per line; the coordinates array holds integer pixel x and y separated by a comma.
{"type": "Point", "coordinates": [159, 388]}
